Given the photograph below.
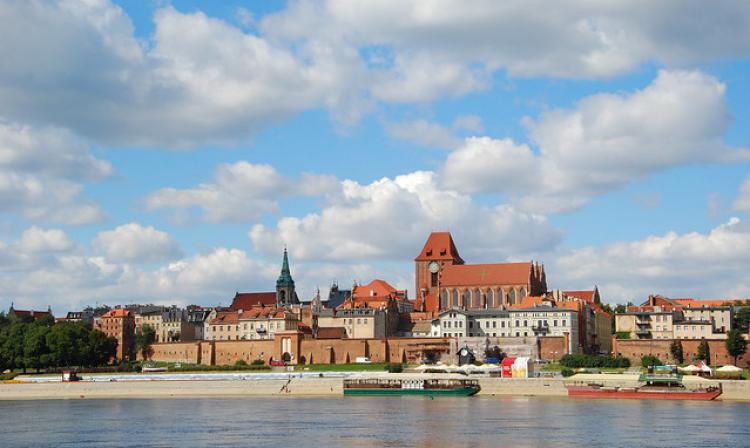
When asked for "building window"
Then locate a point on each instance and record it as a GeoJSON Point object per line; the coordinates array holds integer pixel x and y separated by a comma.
{"type": "Point", "coordinates": [434, 279]}
{"type": "Point", "coordinates": [564, 323]}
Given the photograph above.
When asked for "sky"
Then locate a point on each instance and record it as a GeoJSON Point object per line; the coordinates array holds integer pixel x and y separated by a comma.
{"type": "Point", "coordinates": [167, 151]}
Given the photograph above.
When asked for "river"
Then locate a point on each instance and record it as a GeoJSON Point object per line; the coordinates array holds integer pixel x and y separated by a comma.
{"type": "Point", "coordinates": [374, 421]}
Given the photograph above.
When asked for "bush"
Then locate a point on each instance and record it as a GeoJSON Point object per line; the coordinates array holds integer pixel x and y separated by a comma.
{"type": "Point", "coordinates": [579, 360]}
{"type": "Point", "coordinates": [650, 360]}
{"type": "Point", "coordinates": [623, 335]}
{"type": "Point", "coordinates": [240, 363]}
{"type": "Point", "coordinates": [394, 368]}
{"type": "Point", "coordinates": [566, 372]}
{"type": "Point", "coordinates": [258, 362]}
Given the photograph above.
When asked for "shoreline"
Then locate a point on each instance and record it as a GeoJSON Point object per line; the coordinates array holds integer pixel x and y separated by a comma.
{"type": "Point", "coordinates": [302, 386]}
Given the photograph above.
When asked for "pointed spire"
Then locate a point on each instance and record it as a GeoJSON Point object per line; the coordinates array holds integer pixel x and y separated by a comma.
{"type": "Point", "coordinates": [285, 278]}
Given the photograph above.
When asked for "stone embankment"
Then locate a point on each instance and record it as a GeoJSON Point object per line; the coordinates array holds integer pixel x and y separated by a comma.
{"type": "Point", "coordinates": [533, 387]}
{"type": "Point", "coordinates": [172, 389]}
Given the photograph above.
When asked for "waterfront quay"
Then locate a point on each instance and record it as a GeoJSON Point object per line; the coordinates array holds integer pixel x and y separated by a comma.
{"type": "Point", "coordinates": [299, 384]}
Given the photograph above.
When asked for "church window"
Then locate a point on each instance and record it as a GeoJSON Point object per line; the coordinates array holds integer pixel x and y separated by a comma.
{"type": "Point", "coordinates": [455, 297]}
{"type": "Point", "coordinates": [512, 297]}
{"type": "Point", "coordinates": [444, 299]}
{"type": "Point", "coordinates": [477, 299]}
{"type": "Point", "coordinates": [522, 293]}
{"type": "Point", "coordinates": [434, 279]}
{"type": "Point", "coordinates": [490, 299]}
{"type": "Point", "coordinates": [467, 298]}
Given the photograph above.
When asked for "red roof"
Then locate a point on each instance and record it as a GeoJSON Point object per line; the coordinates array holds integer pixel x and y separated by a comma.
{"type": "Point", "coordinates": [439, 246]}
{"type": "Point", "coordinates": [583, 295]}
{"type": "Point", "coordinates": [530, 302]}
{"type": "Point", "coordinates": [120, 312]}
{"type": "Point", "coordinates": [486, 274]}
{"type": "Point", "coordinates": [247, 300]}
{"type": "Point", "coordinates": [698, 303]}
{"type": "Point", "coordinates": [34, 314]}
{"type": "Point", "coordinates": [375, 290]}
{"type": "Point", "coordinates": [331, 333]}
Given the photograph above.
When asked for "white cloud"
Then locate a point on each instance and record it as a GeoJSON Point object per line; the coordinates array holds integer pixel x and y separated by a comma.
{"type": "Point", "coordinates": [390, 218]}
{"type": "Point", "coordinates": [40, 168]}
{"type": "Point", "coordinates": [135, 243]}
{"type": "Point", "coordinates": [486, 164]}
{"type": "Point", "coordinates": [240, 192]}
{"type": "Point", "coordinates": [423, 133]}
{"type": "Point", "coordinates": [38, 240]}
{"type": "Point", "coordinates": [199, 79]}
{"type": "Point", "coordinates": [710, 265]}
{"type": "Point", "coordinates": [604, 142]}
{"type": "Point", "coordinates": [579, 39]}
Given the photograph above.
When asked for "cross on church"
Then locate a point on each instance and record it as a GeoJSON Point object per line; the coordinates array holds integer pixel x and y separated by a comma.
{"type": "Point", "coordinates": [483, 274]}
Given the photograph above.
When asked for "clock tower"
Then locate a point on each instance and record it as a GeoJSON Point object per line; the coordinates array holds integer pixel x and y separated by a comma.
{"type": "Point", "coordinates": [438, 252]}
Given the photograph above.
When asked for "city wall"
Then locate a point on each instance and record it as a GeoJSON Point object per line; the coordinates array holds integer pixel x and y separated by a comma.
{"type": "Point", "coordinates": [304, 351]}
{"type": "Point", "coordinates": [636, 349]}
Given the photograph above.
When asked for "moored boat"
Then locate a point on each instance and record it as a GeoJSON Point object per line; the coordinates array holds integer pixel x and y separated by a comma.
{"type": "Point", "coordinates": [654, 387]}
{"type": "Point", "coordinates": [427, 385]}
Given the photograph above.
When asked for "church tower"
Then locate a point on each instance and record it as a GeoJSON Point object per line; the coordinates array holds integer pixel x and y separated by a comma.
{"type": "Point", "coordinates": [285, 293]}
{"type": "Point", "coordinates": [439, 251]}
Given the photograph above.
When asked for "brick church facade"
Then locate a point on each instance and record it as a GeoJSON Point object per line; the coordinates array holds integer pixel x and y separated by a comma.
{"type": "Point", "coordinates": [444, 280]}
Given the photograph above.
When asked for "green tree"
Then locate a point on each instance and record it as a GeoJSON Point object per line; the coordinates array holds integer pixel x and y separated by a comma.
{"type": "Point", "coordinates": [650, 360]}
{"type": "Point", "coordinates": [704, 352]}
{"type": "Point", "coordinates": [742, 318]}
{"type": "Point", "coordinates": [13, 346]}
{"type": "Point", "coordinates": [736, 344]}
{"type": "Point", "coordinates": [68, 344]}
{"type": "Point", "coordinates": [144, 337]}
{"type": "Point", "coordinates": [35, 350]}
{"type": "Point", "coordinates": [101, 348]}
{"type": "Point", "coordinates": [676, 349]}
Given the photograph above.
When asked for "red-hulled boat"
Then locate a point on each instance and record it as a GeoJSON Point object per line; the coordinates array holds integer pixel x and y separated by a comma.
{"type": "Point", "coordinates": [658, 387]}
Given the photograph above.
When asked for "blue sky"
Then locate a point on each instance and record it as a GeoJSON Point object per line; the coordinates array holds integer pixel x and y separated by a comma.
{"type": "Point", "coordinates": [166, 151]}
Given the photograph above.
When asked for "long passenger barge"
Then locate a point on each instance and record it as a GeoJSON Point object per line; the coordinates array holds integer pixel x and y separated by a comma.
{"type": "Point", "coordinates": [410, 385]}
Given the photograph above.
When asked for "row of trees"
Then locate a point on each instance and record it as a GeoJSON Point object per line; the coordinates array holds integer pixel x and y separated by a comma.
{"type": "Point", "coordinates": [39, 344]}
{"type": "Point", "coordinates": [735, 343]}
{"type": "Point", "coordinates": [578, 360]}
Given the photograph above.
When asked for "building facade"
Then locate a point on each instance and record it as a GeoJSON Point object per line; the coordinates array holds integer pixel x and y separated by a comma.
{"type": "Point", "coordinates": [120, 324]}
{"type": "Point", "coordinates": [444, 281]}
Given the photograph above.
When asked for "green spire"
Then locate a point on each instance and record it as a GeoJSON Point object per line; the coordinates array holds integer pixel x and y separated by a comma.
{"type": "Point", "coordinates": [285, 278]}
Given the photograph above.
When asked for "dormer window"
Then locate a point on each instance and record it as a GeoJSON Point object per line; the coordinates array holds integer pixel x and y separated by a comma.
{"type": "Point", "coordinates": [443, 252]}
{"type": "Point", "coordinates": [429, 252]}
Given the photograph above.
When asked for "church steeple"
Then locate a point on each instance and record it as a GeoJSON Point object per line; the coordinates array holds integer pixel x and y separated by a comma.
{"type": "Point", "coordinates": [285, 293]}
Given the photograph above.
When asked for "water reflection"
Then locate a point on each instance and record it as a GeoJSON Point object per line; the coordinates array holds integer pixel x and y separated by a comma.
{"type": "Point", "coordinates": [374, 421]}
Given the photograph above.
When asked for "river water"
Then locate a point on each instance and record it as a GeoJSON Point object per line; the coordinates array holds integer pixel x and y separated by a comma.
{"type": "Point", "coordinates": [374, 421]}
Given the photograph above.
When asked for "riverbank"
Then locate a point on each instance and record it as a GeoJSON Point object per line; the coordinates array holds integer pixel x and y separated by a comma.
{"type": "Point", "coordinates": [196, 387]}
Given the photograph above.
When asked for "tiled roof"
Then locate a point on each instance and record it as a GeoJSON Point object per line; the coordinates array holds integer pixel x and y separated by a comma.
{"type": "Point", "coordinates": [247, 300]}
{"type": "Point", "coordinates": [120, 312]}
{"type": "Point", "coordinates": [331, 333]}
{"type": "Point", "coordinates": [698, 303]}
{"type": "Point", "coordinates": [376, 289]}
{"type": "Point", "coordinates": [439, 246]}
{"type": "Point", "coordinates": [34, 314]}
{"type": "Point", "coordinates": [486, 274]}
{"type": "Point", "coordinates": [583, 295]}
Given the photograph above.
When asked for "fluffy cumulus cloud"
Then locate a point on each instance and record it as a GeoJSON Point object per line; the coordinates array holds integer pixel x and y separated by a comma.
{"type": "Point", "coordinates": [201, 79]}
{"type": "Point", "coordinates": [457, 42]}
{"type": "Point", "coordinates": [710, 265]}
{"type": "Point", "coordinates": [390, 219]}
{"type": "Point", "coordinates": [198, 79]}
{"type": "Point", "coordinates": [43, 267]}
{"type": "Point", "coordinates": [40, 173]}
{"type": "Point", "coordinates": [239, 192]}
{"type": "Point", "coordinates": [433, 135]}
{"type": "Point", "coordinates": [604, 142]}
{"type": "Point", "coordinates": [135, 243]}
